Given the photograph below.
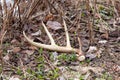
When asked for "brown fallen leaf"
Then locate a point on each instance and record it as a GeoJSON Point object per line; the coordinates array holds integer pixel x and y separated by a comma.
{"type": "Point", "coordinates": [50, 16]}
{"type": "Point", "coordinates": [15, 42]}
{"type": "Point", "coordinates": [54, 25]}
{"type": "Point", "coordinates": [16, 49]}
{"type": "Point", "coordinates": [29, 52]}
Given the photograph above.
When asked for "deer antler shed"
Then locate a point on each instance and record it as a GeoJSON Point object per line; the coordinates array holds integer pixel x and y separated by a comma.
{"type": "Point", "coordinates": [55, 47]}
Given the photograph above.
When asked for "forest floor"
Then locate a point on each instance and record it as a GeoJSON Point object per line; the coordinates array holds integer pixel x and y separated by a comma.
{"type": "Point", "coordinates": [96, 24]}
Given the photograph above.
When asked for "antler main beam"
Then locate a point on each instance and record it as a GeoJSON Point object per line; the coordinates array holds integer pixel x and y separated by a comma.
{"type": "Point", "coordinates": [55, 47]}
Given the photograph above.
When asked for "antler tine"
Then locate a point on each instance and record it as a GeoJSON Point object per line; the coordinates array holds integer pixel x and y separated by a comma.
{"type": "Point", "coordinates": [67, 35]}
{"type": "Point", "coordinates": [49, 35]}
